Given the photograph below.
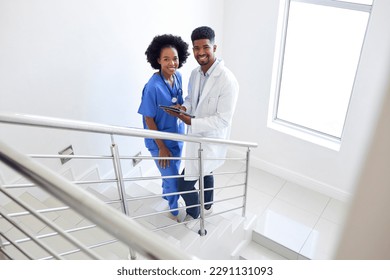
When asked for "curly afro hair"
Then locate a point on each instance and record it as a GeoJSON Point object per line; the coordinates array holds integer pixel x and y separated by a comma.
{"type": "Point", "coordinates": [162, 41]}
{"type": "Point", "coordinates": [203, 32]}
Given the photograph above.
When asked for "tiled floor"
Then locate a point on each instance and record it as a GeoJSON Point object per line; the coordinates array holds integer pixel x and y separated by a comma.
{"type": "Point", "coordinates": [294, 217]}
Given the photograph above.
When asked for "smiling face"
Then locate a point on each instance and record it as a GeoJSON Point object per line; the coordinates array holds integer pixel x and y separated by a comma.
{"type": "Point", "coordinates": [169, 61]}
{"type": "Point", "coordinates": [204, 53]}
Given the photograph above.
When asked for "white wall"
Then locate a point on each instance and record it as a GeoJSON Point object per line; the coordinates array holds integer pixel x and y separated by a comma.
{"type": "Point", "coordinates": [85, 60]}
{"type": "Point", "coordinates": [250, 35]}
{"type": "Point", "coordinates": [367, 230]}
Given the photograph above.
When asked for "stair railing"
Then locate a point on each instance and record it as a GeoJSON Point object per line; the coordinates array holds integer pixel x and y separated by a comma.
{"type": "Point", "coordinates": [89, 206]}
{"type": "Point", "coordinates": [46, 122]}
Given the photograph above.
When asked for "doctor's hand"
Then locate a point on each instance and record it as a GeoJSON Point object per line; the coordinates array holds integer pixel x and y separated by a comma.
{"type": "Point", "coordinates": [164, 152]}
{"type": "Point", "coordinates": [184, 118]}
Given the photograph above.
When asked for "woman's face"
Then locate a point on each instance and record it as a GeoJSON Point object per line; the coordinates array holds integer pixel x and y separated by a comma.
{"type": "Point", "coordinates": [169, 61]}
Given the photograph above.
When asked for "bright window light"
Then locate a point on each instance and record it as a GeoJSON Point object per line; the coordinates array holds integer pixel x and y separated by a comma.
{"type": "Point", "coordinates": [321, 55]}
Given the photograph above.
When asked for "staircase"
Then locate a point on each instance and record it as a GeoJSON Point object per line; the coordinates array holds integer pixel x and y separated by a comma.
{"type": "Point", "coordinates": [229, 235]}
{"type": "Point", "coordinates": [44, 218]}
{"type": "Point", "coordinates": [226, 234]}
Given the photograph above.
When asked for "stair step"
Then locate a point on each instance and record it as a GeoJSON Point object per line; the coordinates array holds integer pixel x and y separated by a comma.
{"type": "Point", "coordinates": [158, 220]}
{"type": "Point", "coordinates": [113, 251]}
{"type": "Point", "coordinates": [29, 221]}
{"type": "Point", "coordinates": [184, 235]}
{"type": "Point", "coordinates": [15, 234]}
{"type": "Point", "coordinates": [135, 190]}
{"type": "Point", "coordinates": [52, 202]}
{"type": "Point", "coordinates": [4, 224]}
{"type": "Point", "coordinates": [68, 174]}
{"type": "Point", "coordinates": [57, 243]}
{"type": "Point", "coordinates": [92, 236]}
{"type": "Point", "coordinates": [154, 187]}
{"type": "Point", "coordinates": [212, 246]}
{"type": "Point", "coordinates": [97, 194]}
{"type": "Point", "coordinates": [255, 251]}
{"type": "Point", "coordinates": [110, 192]}
{"type": "Point", "coordinates": [29, 247]}
{"type": "Point", "coordinates": [224, 232]}
{"type": "Point", "coordinates": [276, 247]}
{"type": "Point", "coordinates": [32, 201]}
{"type": "Point", "coordinates": [68, 219]}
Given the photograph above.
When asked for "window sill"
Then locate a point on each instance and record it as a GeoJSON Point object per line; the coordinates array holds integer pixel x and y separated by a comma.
{"type": "Point", "coordinates": [305, 134]}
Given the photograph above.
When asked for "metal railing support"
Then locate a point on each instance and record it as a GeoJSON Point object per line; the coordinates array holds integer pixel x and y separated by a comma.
{"type": "Point", "coordinates": [248, 153]}
{"type": "Point", "coordinates": [125, 229]}
{"type": "Point", "coordinates": [92, 208]}
{"type": "Point", "coordinates": [119, 175]}
{"type": "Point", "coordinates": [46, 221]}
{"type": "Point", "coordinates": [121, 186]}
{"type": "Point", "coordinates": [3, 256]}
{"type": "Point", "coordinates": [202, 230]}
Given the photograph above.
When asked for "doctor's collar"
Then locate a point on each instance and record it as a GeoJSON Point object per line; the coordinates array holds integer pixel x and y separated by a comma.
{"type": "Point", "coordinates": [211, 69]}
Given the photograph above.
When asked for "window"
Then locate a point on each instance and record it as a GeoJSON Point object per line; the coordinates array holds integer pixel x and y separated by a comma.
{"type": "Point", "coordinates": [321, 42]}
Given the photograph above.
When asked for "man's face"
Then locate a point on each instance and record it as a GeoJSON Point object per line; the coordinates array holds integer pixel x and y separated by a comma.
{"type": "Point", "coordinates": [204, 52]}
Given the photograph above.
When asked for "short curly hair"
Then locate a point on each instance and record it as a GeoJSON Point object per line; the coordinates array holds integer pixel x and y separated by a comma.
{"type": "Point", "coordinates": [203, 32]}
{"type": "Point", "coordinates": [162, 41]}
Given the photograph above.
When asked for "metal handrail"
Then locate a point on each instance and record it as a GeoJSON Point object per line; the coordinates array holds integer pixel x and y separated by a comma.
{"type": "Point", "coordinates": [126, 230]}
{"type": "Point", "coordinates": [50, 122]}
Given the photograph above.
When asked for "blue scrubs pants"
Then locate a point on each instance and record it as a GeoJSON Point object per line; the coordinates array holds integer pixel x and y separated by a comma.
{"type": "Point", "coordinates": [169, 185]}
{"type": "Point", "coordinates": [193, 198]}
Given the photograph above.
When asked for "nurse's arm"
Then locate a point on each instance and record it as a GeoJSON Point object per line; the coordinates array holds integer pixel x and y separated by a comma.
{"type": "Point", "coordinates": [163, 150]}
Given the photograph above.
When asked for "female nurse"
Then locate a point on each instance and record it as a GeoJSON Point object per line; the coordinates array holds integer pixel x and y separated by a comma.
{"type": "Point", "coordinates": [166, 53]}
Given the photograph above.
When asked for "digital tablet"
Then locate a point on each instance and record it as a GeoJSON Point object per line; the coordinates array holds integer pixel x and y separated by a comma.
{"type": "Point", "coordinates": [176, 110]}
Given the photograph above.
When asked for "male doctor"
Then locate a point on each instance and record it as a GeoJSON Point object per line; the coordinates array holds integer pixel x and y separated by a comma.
{"type": "Point", "coordinates": [212, 97]}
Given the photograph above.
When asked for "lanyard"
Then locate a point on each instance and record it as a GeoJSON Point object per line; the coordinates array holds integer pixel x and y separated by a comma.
{"type": "Point", "coordinates": [179, 92]}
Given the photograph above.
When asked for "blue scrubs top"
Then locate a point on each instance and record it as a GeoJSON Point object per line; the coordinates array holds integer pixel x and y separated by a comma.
{"type": "Point", "coordinates": [157, 92]}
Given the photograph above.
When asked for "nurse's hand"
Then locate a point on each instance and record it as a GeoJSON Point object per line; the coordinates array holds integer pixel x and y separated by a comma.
{"type": "Point", "coordinates": [175, 114]}
{"type": "Point", "coordinates": [164, 152]}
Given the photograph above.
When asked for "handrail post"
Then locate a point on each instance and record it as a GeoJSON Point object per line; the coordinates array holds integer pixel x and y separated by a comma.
{"type": "Point", "coordinates": [121, 184]}
{"type": "Point", "coordinates": [248, 152]}
{"type": "Point", "coordinates": [202, 230]}
{"type": "Point", "coordinates": [2, 255]}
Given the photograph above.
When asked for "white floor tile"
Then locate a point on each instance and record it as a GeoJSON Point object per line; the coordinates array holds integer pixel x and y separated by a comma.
{"type": "Point", "coordinates": [231, 165]}
{"type": "Point", "coordinates": [322, 241]}
{"type": "Point", "coordinates": [336, 211]}
{"type": "Point", "coordinates": [264, 181]}
{"type": "Point", "coordinates": [229, 192]}
{"type": "Point", "coordinates": [257, 201]}
{"type": "Point", "coordinates": [222, 180]}
{"type": "Point", "coordinates": [286, 224]}
{"type": "Point", "coordinates": [294, 216]}
{"type": "Point", "coordinates": [303, 198]}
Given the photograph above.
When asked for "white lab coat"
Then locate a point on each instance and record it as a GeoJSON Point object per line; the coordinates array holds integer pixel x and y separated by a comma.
{"type": "Point", "coordinates": [213, 116]}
